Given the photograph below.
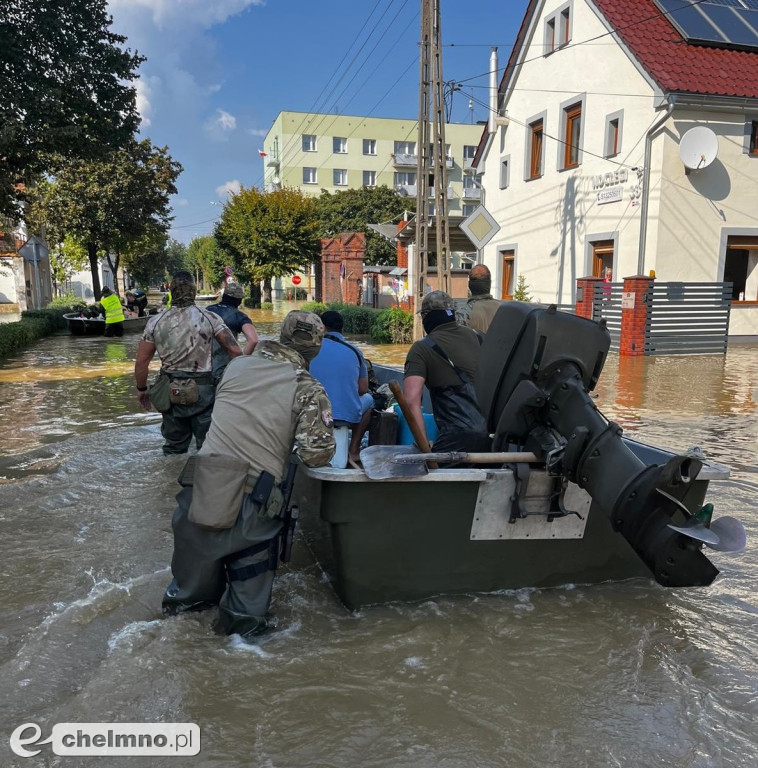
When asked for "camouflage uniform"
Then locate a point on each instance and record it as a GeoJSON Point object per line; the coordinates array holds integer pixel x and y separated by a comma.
{"type": "Point", "coordinates": [266, 404]}
{"type": "Point", "coordinates": [183, 338]}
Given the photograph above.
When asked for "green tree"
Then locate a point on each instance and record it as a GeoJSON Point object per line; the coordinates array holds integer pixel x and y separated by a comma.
{"type": "Point", "coordinates": [352, 210]}
{"type": "Point", "coordinates": [268, 235]}
{"type": "Point", "coordinates": [207, 261]}
{"type": "Point", "coordinates": [66, 259]}
{"type": "Point", "coordinates": [522, 290]}
{"type": "Point", "coordinates": [110, 204]}
{"type": "Point", "coordinates": [66, 88]}
{"type": "Point", "coordinates": [176, 257]}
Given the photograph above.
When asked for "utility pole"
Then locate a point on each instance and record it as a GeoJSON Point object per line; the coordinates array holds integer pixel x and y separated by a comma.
{"type": "Point", "coordinates": [431, 136]}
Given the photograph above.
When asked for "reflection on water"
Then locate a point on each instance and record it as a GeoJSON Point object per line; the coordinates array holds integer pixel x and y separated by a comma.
{"type": "Point", "coordinates": [614, 675]}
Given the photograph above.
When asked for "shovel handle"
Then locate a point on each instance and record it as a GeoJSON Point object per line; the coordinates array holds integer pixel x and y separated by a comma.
{"type": "Point", "coordinates": [418, 433]}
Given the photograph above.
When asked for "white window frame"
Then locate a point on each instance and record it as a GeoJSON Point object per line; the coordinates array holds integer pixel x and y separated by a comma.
{"type": "Point", "coordinates": [405, 178]}
{"type": "Point", "coordinates": [505, 172]}
{"type": "Point", "coordinates": [405, 148]}
{"type": "Point", "coordinates": [371, 176]}
{"type": "Point", "coordinates": [310, 142]}
{"type": "Point", "coordinates": [369, 147]}
{"type": "Point", "coordinates": [618, 118]}
{"type": "Point", "coordinates": [339, 176]}
{"type": "Point", "coordinates": [310, 175]}
{"type": "Point", "coordinates": [339, 145]}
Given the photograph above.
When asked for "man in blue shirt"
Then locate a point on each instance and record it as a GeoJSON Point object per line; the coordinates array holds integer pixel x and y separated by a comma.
{"type": "Point", "coordinates": [341, 369]}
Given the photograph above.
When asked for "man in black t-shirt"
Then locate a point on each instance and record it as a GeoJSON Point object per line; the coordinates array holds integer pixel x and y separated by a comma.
{"type": "Point", "coordinates": [237, 322]}
{"type": "Point", "coordinates": [446, 361]}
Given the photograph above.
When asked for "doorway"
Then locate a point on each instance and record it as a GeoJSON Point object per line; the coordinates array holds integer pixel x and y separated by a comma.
{"type": "Point", "coordinates": [508, 263]}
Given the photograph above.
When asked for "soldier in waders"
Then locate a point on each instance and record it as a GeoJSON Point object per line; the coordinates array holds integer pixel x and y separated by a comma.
{"type": "Point", "coordinates": [230, 515]}
{"type": "Point", "coordinates": [183, 392]}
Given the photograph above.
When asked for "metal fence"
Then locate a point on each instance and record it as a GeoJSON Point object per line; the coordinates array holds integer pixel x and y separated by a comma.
{"type": "Point", "coordinates": [683, 318]}
{"type": "Point", "coordinates": [688, 319]}
{"type": "Point", "coordinates": [606, 305]}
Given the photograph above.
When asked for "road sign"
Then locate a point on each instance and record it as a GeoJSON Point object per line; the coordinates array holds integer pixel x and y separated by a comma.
{"type": "Point", "coordinates": [480, 227]}
{"type": "Point", "coordinates": [229, 280]}
{"type": "Point", "coordinates": [296, 279]}
{"type": "Point", "coordinates": [228, 271]}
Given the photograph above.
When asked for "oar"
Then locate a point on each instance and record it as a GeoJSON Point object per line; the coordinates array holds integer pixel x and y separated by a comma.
{"type": "Point", "coordinates": [419, 435]}
{"type": "Point", "coordinates": [386, 462]}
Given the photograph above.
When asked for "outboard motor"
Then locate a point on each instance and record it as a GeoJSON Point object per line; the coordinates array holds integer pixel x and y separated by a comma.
{"type": "Point", "coordinates": [535, 372]}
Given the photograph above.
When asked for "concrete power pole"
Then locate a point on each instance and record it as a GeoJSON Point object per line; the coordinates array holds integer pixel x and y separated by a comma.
{"type": "Point", "coordinates": [431, 136]}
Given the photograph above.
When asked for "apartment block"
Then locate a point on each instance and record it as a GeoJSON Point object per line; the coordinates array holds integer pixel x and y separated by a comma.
{"type": "Point", "coordinates": [336, 152]}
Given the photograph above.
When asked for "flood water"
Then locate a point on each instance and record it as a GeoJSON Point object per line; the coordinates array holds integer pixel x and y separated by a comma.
{"type": "Point", "coordinates": [622, 674]}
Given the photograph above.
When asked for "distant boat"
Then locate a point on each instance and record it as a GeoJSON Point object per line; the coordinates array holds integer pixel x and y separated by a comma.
{"type": "Point", "coordinates": [206, 297]}
{"type": "Point", "coordinates": [88, 326]}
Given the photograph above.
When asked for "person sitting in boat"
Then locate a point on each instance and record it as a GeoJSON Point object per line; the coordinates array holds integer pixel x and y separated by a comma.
{"type": "Point", "coordinates": [136, 301]}
{"type": "Point", "coordinates": [445, 360]}
{"type": "Point", "coordinates": [340, 367]}
{"type": "Point", "coordinates": [113, 311]}
{"type": "Point", "coordinates": [479, 310]}
{"type": "Point", "coordinates": [237, 322]}
{"type": "Point", "coordinates": [229, 518]}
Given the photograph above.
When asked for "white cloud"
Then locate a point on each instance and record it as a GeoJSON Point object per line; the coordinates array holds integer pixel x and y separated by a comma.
{"type": "Point", "coordinates": [224, 121]}
{"type": "Point", "coordinates": [232, 187]}
{"type": "Point", "coordinates": [144, 92]}
{"type": "Point", "coordinates": [256, 131]}
{"type": "Point", "coordinates": [201, 13]}
{"type": "Point", "coordinates": [181, 202]}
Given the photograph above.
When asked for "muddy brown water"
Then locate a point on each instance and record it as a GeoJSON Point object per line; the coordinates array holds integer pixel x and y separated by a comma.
{"type": "Point", "coordinates": [612, 675]}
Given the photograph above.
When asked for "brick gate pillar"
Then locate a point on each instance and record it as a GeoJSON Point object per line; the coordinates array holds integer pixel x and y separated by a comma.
{"type": "Point", "coordinates": [585, 295]}
{"type": "Point", "coordinates": [342, 267]}
{"type": "Point", "coordinates": [636, 305]}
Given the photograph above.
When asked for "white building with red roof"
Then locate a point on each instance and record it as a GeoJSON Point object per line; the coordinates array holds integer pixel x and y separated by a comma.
{"type": "Point", "coordinates": [581, 162]}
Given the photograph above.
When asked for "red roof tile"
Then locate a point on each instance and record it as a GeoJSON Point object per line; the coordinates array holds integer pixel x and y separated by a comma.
{"type": "Point", "coordinates": [671, 61]}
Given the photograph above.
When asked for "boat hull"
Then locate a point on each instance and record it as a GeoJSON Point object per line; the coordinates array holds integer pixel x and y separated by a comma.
{"type": "Point", "coordinates": [415, 538]}
{"type": "Point", "coordinates": [86, 326]}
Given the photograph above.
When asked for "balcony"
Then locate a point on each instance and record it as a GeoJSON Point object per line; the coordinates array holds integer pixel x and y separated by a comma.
{"type": "Point", "coordinates": [449, 193]}
{"type": "Point", "coordinates": [406, 190]}
{"type": "Point", "coordinates": [272, 161]}
{"type": "Point", "coordinates": [472, 193]}
{"type": "Point", "coordinates": [403, 161]}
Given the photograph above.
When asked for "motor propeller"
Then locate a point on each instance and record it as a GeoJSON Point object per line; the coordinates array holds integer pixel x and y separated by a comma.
{"type": "Point", "coordinates": [726, 534]}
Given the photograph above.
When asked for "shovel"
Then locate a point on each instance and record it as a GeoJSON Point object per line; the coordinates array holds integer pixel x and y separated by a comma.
{"type": "Point", "coordinates": [389, 462]}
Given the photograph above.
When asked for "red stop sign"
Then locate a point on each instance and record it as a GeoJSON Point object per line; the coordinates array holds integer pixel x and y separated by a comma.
{"type": "Point", "coordinates": [296, 280]}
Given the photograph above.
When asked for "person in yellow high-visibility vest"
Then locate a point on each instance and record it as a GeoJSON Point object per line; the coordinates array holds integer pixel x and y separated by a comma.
{"type": "Point", "coordinates": [114, 313]}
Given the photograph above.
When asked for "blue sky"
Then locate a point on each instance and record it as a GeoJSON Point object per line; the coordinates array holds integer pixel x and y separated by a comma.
{"type": "Point", "coordinates": [219, 71]}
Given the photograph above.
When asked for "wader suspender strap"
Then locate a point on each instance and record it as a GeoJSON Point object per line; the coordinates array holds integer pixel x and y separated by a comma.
{"type": "Point", "coordinates": [256, 569]}
{"type": "Point", "coordinates": [345, 344]}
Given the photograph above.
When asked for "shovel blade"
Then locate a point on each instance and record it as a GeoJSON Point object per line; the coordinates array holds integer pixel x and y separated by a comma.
{"type": "Point", "coordinates": [379, 462]}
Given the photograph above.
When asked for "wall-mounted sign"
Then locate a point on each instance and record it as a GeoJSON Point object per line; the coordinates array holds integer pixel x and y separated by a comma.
{"type": "Point", "coordinates": [627, 300]}
{"type": "Point", "coordinates": [610, 195]}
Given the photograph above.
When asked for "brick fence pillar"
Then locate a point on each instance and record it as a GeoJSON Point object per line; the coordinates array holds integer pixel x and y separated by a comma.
{"type": "Point", "coordinates": [637, 303]}
{"type": "Point", "coordinates": [342, 267]}
{"type": "Point", "coordinates": [585, 295]}
{"type": "Point", "coordinates": [402, 247]}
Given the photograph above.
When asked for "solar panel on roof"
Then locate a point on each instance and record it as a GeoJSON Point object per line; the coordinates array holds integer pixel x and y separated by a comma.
{"type": "Point", "coordinates": [726, 23]}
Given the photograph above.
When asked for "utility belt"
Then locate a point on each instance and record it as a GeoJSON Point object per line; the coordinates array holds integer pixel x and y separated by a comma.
{"type": "Point", "coordinates": [178, 388]}
{"type": "Point", "coordinates": [219, 485]}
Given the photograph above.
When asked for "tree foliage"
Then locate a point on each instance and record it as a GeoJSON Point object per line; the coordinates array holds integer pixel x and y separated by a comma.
{"type": "Point", "coordinates": [269, 235]}
{"type": "Point", "coordinates": [66, 259]}
{"type": "Point", "coordinates": [207, 261]}
{"type": "Point", "coordinates": [110, 204]}
{"type": "Point", "coordinates": [352, 210]}
{"type": "Point", "coordinates": [66, 87]}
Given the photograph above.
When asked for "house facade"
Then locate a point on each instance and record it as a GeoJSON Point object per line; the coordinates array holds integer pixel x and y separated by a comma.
{"type": "Point", "coordinates": [338, 152]}
{"type": "Point", "coordinates": [582, 163]}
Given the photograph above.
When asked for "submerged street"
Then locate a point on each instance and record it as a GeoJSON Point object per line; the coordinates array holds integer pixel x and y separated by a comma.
{"type": "Point", "coordinates": [612, 675]}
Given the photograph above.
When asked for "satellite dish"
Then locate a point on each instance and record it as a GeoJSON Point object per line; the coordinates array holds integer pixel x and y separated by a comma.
{"type": "Point", "coordinates": [698, 148]}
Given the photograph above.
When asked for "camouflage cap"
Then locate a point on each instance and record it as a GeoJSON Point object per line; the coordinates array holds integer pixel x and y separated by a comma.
{"type": "Point", "coordinates": [436, 300]}
{"type": "Point", "coordinates": [302, 329]}
{"type": "Point", "coordinates": [234, 291]}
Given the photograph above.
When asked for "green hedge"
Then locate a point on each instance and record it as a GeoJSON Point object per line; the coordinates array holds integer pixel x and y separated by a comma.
{"type": "Point", "coordinates": [34, 325]}
{"type": "Point", "coordinates": [385, 326]}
